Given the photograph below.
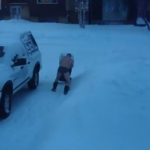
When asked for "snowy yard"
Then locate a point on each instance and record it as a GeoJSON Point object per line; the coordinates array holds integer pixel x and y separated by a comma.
{"type": "Point", "coordinates": [108, 107]}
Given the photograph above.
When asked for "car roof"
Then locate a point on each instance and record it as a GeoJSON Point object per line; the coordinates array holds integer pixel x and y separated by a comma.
{"type": "Point", "coordinates": [7, 39]}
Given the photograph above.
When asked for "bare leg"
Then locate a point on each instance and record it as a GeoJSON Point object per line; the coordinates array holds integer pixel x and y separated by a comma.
{"type": "Point", "coordinates": [67, 77]}
{"type": "Point", "coordinates": [58, 76]}
{"type": "Point", "coordinates": [56, 81]}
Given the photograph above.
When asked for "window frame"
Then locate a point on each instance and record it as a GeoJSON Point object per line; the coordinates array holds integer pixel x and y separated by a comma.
{"type": "Point", "coordinates": [46, 3]}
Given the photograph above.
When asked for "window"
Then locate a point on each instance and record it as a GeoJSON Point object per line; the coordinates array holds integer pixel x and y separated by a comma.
{"type": "Point", "coordinates": [47, 1]}
{"type": "Point", "coordinates": [33, 40]}
{"type": "Point", "coordinates": [30, 45]}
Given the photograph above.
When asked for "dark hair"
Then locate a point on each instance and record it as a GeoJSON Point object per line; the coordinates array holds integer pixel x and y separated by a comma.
{"type": "Point", "coordinates": [69, 54]}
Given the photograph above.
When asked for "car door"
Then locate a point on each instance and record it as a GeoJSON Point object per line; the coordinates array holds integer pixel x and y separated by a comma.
{"type": "Point", "coordinates": [16, 77]}
{"type": "Point", "coordinates": [14, 71]}
{"type": "Point", "coordinates": [19, 73]}
{"type": "Point", "coordinates": [23, 68]}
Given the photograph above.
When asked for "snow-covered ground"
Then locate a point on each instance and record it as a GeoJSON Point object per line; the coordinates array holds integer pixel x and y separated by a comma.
{"type": "Point", "coordinates": [108, 107]}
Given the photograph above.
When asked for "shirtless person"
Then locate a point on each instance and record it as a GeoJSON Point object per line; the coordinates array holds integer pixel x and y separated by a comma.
{"type": "Point", "coordinates": [66, 63]}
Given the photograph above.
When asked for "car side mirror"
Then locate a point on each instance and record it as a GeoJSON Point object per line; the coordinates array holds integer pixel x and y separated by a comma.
{"type": "Point", "coordinates": [20, 62]}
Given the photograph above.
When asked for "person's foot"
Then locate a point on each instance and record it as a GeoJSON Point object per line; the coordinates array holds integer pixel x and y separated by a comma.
{"type": "Point", "coordinates": [54, 86]}
{"type": "Point", "coordinates": [66, 89]}
{"type": "Point", "coordinates": [54, 90]}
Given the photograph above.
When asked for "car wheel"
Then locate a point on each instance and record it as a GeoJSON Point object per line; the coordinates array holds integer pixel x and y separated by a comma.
{"type": "Point", "coordinates": [5, 105]}
{"type": "Point", "coordinates": [34, 82]}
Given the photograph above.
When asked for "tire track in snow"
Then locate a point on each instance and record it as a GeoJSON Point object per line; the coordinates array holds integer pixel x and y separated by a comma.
{"type": "Point", "coordinates": [49, 128]}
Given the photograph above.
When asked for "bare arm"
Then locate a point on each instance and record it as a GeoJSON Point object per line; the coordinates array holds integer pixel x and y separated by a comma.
{"type": "Point", "coordinates": [72, 65]}
{"type": "Point", "coordinates": [60, 60]}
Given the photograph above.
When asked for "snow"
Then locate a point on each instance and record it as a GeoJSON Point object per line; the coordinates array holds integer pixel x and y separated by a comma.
{"type": "Point", "coordinates": [140, 21]}
{"type": "Point", "coordinates": [108, 107]}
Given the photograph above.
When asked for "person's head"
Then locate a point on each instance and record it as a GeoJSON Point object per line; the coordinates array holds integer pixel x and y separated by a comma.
{"type": "Point", "coordinates": [69, 55]}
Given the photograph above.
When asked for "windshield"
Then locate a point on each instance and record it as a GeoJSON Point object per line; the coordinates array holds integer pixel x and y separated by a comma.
{"type": "Point", "coordinates": [2, 53]}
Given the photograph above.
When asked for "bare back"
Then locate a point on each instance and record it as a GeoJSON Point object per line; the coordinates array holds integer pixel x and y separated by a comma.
{"type": "Point", "coordinates": [66, 62]}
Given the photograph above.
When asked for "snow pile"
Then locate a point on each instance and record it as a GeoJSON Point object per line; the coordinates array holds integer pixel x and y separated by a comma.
{"type": "Point", "coordinates": [140, 21]}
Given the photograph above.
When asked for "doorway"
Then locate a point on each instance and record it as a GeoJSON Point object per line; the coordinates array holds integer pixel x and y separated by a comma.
{"type": "Point", "coordinates": [15, 12]}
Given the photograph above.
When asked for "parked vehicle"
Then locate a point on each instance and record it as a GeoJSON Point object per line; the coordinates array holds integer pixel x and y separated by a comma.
{"type": "Point", "coordinates": [20, 64]}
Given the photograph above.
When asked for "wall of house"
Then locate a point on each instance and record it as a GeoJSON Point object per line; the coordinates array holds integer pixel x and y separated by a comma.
{"type": "Point", "coordinates": [95, 11]}
{"type": "Point", "coordinates": [48, 10]}
{"type": "Point", "coordinates": [3, 2]}
{"type": "Point", "coordinates": [5, 11]}
{"type": "Point", "coordinates": [25, 12]}
{"type": "Point", "coordinates": [70, 4]}
{"type": "Point", "coordinates": [100, 10]}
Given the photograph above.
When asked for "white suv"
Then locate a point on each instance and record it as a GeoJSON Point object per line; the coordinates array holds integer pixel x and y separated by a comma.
{"type": "Point", "coordinates": [20, 63]}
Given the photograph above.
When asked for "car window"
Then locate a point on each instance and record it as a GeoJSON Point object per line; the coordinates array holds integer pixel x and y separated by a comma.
{"type": "Point", "coordinates": [29, 43]}
{"type": "Point", "coordinates": [33, 40]}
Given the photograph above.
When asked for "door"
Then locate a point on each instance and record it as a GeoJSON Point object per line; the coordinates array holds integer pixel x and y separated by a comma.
{"type": "Point", "coordinates": [23, 68]}
{"type": "Point", "coordinates": [16, 77]}
{"type": "Point", "coordinates": [20, 73]}
{"type": "Point", "coordinates": [15, 12]}
{"type": "Point", "coordinates": [16, 74]}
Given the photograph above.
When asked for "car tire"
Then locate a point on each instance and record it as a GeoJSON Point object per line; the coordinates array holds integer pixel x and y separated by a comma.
{"type": "Point", "coordinates": [5, 105]}
{"type": "Point", "coordinates": [34, 82]}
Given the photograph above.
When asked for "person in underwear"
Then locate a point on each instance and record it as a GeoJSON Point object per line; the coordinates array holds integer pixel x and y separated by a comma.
{"type": "Point", "coordinates": [65, 65]}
